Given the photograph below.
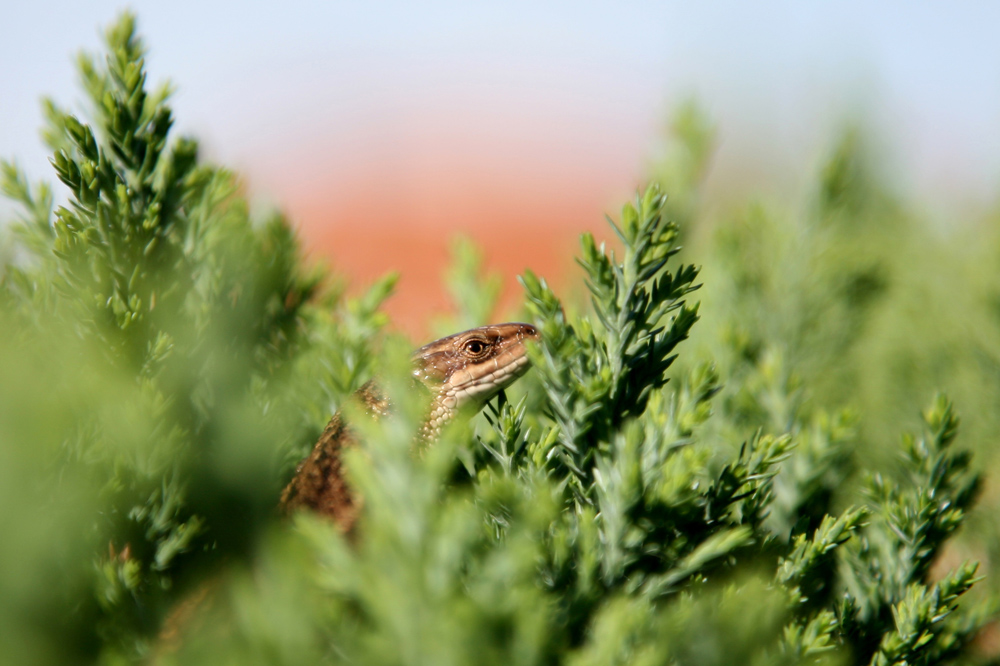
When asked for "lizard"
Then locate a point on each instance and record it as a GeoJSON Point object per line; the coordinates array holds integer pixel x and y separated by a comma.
{"type": "Point", "coordinates": [466, 368]}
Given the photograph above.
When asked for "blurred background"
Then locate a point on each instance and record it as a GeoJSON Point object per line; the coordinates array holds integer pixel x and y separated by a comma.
{"type": "Point", "coordinates": [384, 129]}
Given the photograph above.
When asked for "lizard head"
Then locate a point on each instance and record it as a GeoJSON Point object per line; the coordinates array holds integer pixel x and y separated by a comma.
{"type": "Point", "coordinates": [472, 366]}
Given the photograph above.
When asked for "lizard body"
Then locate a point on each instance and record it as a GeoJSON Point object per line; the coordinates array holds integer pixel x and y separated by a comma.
{"type": "Point", "coordinates": [466, 368]}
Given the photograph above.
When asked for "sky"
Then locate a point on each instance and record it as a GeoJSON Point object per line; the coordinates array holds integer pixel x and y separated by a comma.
{"type": "Point", "coordinates": [383, 129]}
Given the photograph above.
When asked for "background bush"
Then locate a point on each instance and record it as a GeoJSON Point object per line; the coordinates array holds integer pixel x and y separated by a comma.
{"type": "Point", "coordinates": [168, 359]}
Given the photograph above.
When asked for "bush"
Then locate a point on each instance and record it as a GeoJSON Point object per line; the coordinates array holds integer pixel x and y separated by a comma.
{"type": "Point", "coordinates": [169, 359]}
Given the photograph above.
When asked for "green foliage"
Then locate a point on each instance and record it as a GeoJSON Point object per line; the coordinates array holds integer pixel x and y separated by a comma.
{"type": "Point", "coordinates": [682, 162]}
{"type": "Point", "coordinates": [887, 572]}
{"type": "Point", "coordinates": [474, 294]}
{"type": "Point", "coordinates": [156, 267]}
{"type": "Point", "coordinates": [169, 359]}
{"type": "Point", "coordinates": [597, 377]}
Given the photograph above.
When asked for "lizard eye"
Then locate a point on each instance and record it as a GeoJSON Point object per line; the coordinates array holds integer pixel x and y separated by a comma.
{"type": "Point", "coordinates": [475, 346]}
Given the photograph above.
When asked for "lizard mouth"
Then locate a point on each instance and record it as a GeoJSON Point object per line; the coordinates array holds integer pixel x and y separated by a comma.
{"type": "Point", "coordinates": [486, 383]}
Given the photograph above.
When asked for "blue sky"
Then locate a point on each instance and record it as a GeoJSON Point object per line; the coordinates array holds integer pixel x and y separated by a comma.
{"type": "Point", "coordinates": [255, 80]}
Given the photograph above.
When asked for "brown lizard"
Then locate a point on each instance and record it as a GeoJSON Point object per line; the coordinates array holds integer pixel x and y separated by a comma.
{"type": "Point", "coordinates": [466, 368]}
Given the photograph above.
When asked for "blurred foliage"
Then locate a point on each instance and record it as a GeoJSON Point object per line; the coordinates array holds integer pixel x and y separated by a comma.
{"type": "Point", "coordinates": [852, 299]}
{"type": "Point", "coordinates": [168, 359]}
{"type": "Point", "coordinates": [181, 359]}
{"type": "Point", "coordinates": [474, 293]}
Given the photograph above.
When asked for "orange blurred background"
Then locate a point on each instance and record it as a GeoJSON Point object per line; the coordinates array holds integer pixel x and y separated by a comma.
{"type": "Point", "coordinates": [368, 223]}
{"type": "Point", "coordinates": [370, 198]}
